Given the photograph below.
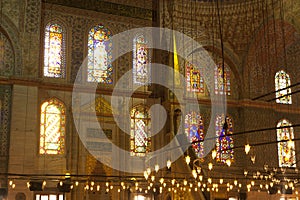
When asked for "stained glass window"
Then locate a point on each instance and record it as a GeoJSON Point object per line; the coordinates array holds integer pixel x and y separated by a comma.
{"type": "Point", "coordinates": [141, 60]}
{"type": "Point", "coordinates": [222, 86]}
{"type": "Point", "coordinates": [286, 149]}
{"type": "Point", "coordinates": [194, 131]}
{"type": "Point", "coordinates": [224, 141]}
{"type": "Point", "coordinates": [52, 128]}
{"type": "Point", "coordinates": [140, 141]}
{"type": "Point", "coordinates": [194, 81]}
{"type": "Point", "coordinates": [99, 55]}
{"type": "Point", "coordinates": [54, 51]}
{"type": "Point", "coordinates": [282, 80]}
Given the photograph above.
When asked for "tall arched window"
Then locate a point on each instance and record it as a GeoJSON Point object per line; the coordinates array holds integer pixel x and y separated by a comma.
{"type": "Point", "coordinates": [100, 68]}
{"type": "Point", "coordinates": [52, 127]}
{"type": "Point", "coordinates": [286, 149]}
{"type": "Point", "coordinates": [194, 81]}
{"type": "Point", "coordinates": [224, 141]}
{"type": "Point", "coordinates": [282, 80]}
{"type": "Point", "coordinates": [222, 86]}
{"type": "Point", "coordinates": [194, 131]}
{"type": "Point", "coordinates": [54, 51]}
{"type": "Point", "coordinates": [141, 60]}
{"type": "Point", "coordinates": [140, 124]}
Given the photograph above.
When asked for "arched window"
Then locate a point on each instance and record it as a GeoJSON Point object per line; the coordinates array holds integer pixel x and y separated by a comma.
{"type": "Point", "coordinates": [282, 80]}
{"type": "Point", "coordinates": [222, 86]}
{"type": "Point", "coordinates": [141, 60]}
{"type": "Point", "coordinates": [224, 141]}
{"type": "Point", "coordinates": [140, 131]}
{"type": "Point", "coordinates": [54, 51]}
{"type": "Point", "coordinates": [52, 127]}
{"type": "Point", "coordinates": [194, 81]}
{"type": "Point", "coordinates": [99, 55]}
{"type": "Point", "coordinates": [194, 131]}
{"type": "Point", "coordinates": [286, 149]}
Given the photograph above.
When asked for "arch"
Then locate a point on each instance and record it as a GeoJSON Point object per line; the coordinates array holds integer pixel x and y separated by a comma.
{"type": "Point", "coordinates": [286, 149]}
{"type": "Point", "coordinates": [11, 32]}
{"type": "Point", "coordinates": [99, 55]}
{"type": "Point", "coordinates": [224, 142]}
{"type": "Point", "coordinates": [54, 50]}
{"type": "Point", "coordinates": [52, 127]}
{"type": "Point", "coordinates": [7, 55]}
{"type": "Point", "coordinates": [140, 124]}
{"type": "Point", "coordinates": [282, 80]}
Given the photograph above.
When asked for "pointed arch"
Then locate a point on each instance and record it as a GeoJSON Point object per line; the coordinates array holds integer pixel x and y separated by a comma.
{"type": "Point", "coordinates": [99, 68]}
{"type": "Point", "coordinates": [286, 149]}
{"type": "Point", "coordinates": [195, 132]}
{"type": "Point", "coordinates": [52, 127]}
{"type": "Point", "coordinates": [282, 80]}
{"type": "Point", "coordinates": [54, 51]}
{"type": "Point", "coordinates": [140, 140]}
{"type": "Point", "coordinates": [141, 60]}
{"type": "Point", "coordinates": [224, 141]}
{"type": "Point", "coordinates": [222, 86]}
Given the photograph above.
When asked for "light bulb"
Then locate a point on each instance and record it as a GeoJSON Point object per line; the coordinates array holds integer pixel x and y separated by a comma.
{"type": "Point", "coordinates": [187, 159]}
{"type": "Point", "coordinates": [173, 181]}
{"type": "Point", "coordinates": [214, 154]}
{"type": "Point", "coordinates": [221, 181]}
{"type": "Point", "coordinates": [247, 148]}
{"type": "Point", "coordinates": [185, 182]}
{"type": "Point", "coordinates": [209, 180]}
{"type": "Point", "coordinates": [235, 182]}
{"type": "Point", "coordinates": [169, 163]}
{"type": "Point", "coordinates": [194, 173]}
{"type": "Point", "coordinates": [149, 170]}
{"type": "Point", "coordinates": [156, 168]}
{"type": "Point", "coordinates": [210, 166]}
{"type": "Point", "coordinates": [228, 162]}
{"type": "Point", "coordinates": [161, 180]}
{"type": "Point", "coordinates": [152, 178]}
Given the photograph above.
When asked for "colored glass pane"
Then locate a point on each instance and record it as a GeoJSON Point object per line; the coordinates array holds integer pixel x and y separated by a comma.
{"type": "Point", "coordinates": [194, 131]}
{"type": "Point", "coordinates": [140, 130]}
{"type": "Point", "coordinates": [54, 63]}
{"type": "Point", "coordinates": [99, 55]}
{"type": "Point", "coordinates": [141, 60]}
{"type": "Point", "coordinates": [224, 141]}
{"type": "Point", "coordinates": [222, 85]}
{"type": "Point", "coordinates": [52, 127]}
{"type": "Point", "coordinates": [286, 149]}
{"type": "Point", "coordinates": [194, 81]}
{"type": "Point", "coordinates": [282, 80]}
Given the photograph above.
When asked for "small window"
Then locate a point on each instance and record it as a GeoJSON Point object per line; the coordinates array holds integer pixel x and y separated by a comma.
{"type": "Point", "coordinates": [140, 141]}
{"type": "Point", "coordinates": [141, 60]}
{"type": "Point", "coordinates": [52, 127]}
{"type": "Point", "coordinates": [222, 84]}
{"type": "Point", "coordinates": [286, 149]}
{"type": "Point", "coordinates": [49, 197]}
{"type": "Point", "coordinates": [54, 51]}
{"type": "Point", "coordinates": [100, 68]}
{"type": "Point", "coordinates": [282, 81]}
{"type": "Point", "coordinates": [194, 80]}
{"type": "Point", "coordinates": [224, 141]}
{"type": "Point", "coordinates": [195, 132]}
